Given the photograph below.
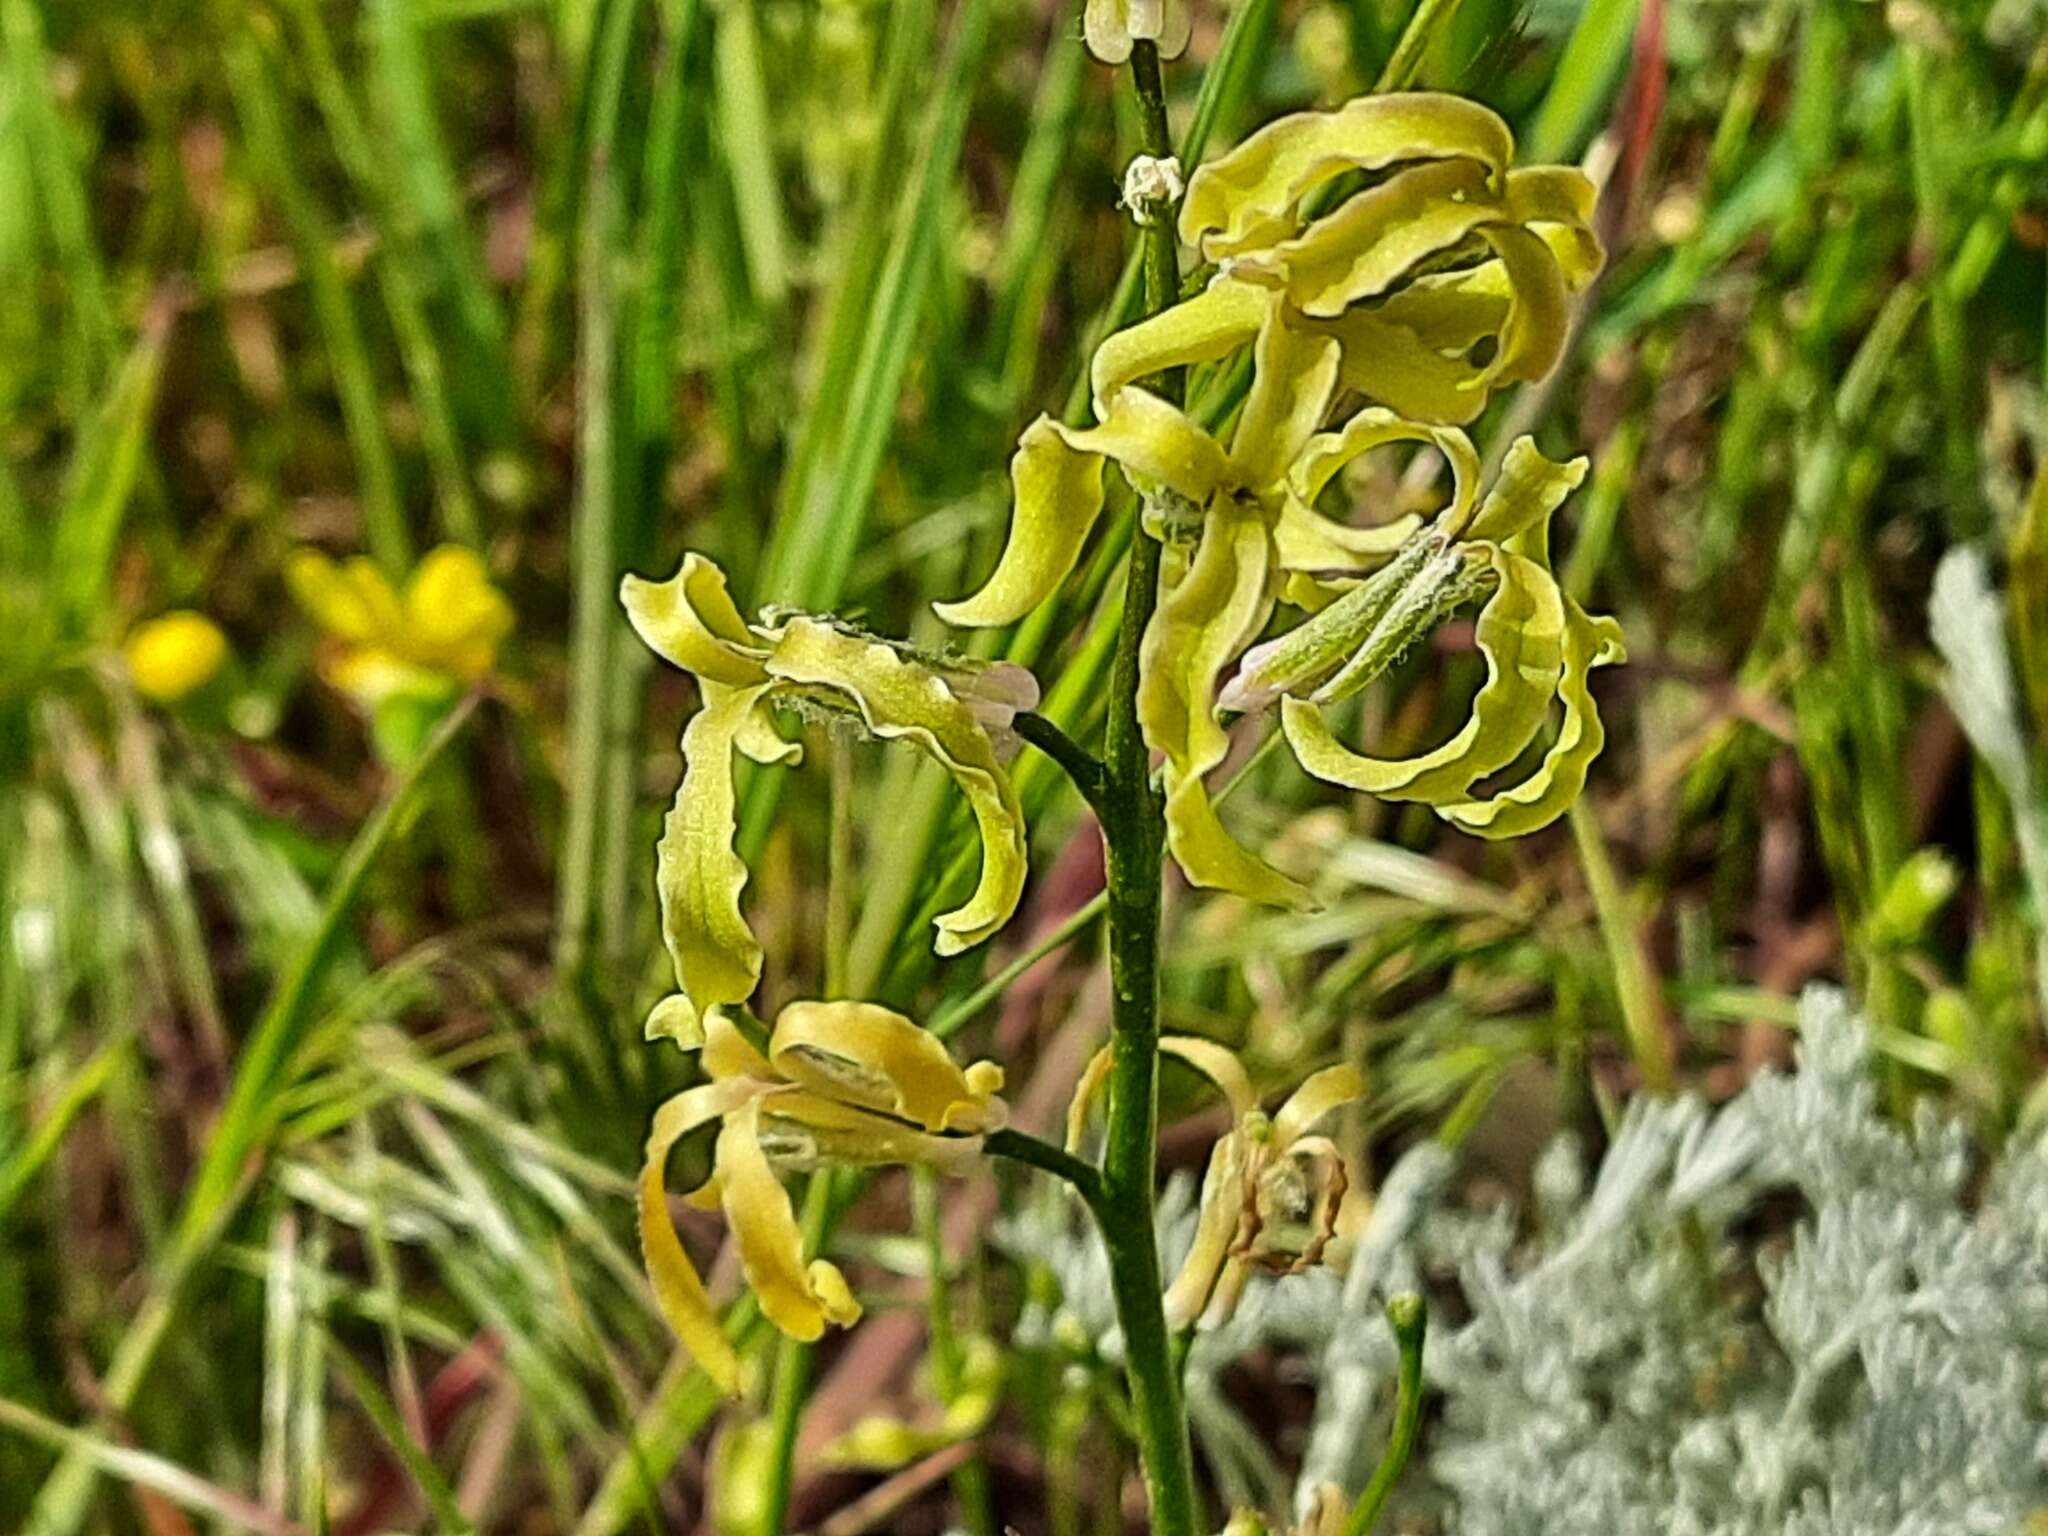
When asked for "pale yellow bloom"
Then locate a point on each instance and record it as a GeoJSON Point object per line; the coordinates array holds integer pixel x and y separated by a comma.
{"type": "Point", "coordinates": [1272, 1191]}
{"type": "Point", "coordinates": [955, 710]}
{"type": "Point", "coordinates": [174, 655]}
{"type": "Point", "coordinates": [1111, 26]}
{"type": "Point", "coordinates": [441, 633]}
{"type": "Point", "coordinates": [841, 1084]}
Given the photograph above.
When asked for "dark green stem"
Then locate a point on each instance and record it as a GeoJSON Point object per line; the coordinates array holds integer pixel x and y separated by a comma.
{"type": "Point", "coordinates": [1409, 1318]}
{"type": "Point", "coordinates": [1073, 759]}
{"type": "Point", "coordinates": [1133, 825]}
{"type": "Point", "coordinates": [1047, 1158]}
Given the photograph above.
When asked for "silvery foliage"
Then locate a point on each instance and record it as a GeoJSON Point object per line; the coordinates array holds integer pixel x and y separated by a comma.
{"type": "Point", "coordinates": [1644, 1355]}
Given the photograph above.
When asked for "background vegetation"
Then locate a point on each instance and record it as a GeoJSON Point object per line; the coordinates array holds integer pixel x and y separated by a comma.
{"type": "Point", "coordinates": [321, 1081]}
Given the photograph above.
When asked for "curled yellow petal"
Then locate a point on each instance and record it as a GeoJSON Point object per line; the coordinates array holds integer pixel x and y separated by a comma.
{"type": "Point", "coordinates": [869, 1055]}
{"type": "Point", "coordinates": [1527, 491]}
{"type": "Point", "coordinates": [1305, 540]}
{"type": "Point", "coordinates": [1220, 1065]}
{"type": "Point", "coordinates": [799, 1299]}
{"type": "Point", "coordinates": [675, 1018]}
{"type": "Point", "coordinates": [1294, 379]}
{"type": "Point", "coordinates": [1370, 242]}
{"type": "Point", "coordinates": [1211, 325]}
{"type": "Point", "coordinates": [698, 877]}
{"type": "Point", "coordinates": [1319, 1093]}
{"type": "Point", "coordinates": [1521, 635]}
{"type": "Point", "coordinates": [690, 621]}
{"type": "Point", "coordinates": [1222, 1206]}
{"type": "Point", "coordinates": [455, 618]}
{"type": "Point", "coordinates": [1549, 791]}
{"type": "Point", "coordinates": [1247, 199]}
{"type": "Point", "coordinates": [728, 1053]}
{"type": "Point", "coordinates": [1374, 427]}
{"type": "Point", "coordinates": [678, 1290]}
{"type": "Point", "coordinates": [901, 699]}
{"type": "Point", "coordinates": [1156, 441]}
{"type": "Point", "coordinates": [1199, 628]}
{"type": "Point", "coordinates": [1093, 1076]}
{"type": "Point", "coordinates": [1056, 492]}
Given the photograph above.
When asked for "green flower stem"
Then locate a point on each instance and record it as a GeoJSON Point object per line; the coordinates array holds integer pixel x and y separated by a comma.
{"type": "Point", "coordinates": [1134, 830]}
{"type": "Point", "coordinates": [1074, 760]}
{"type": "Point", "coordinates": [1409, 1318]}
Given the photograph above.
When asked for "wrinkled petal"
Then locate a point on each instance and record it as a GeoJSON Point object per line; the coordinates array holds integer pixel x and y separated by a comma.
{"type": "Point", "coordinates": [690, 621]}
{"type": "Point", "coordinates": [1296, 1203]}
{"type": "Point", "coordinates": [1247, 199]}
{"type": "Point", "coordinates": [1294, 379]}
{"type": "Point", "coordinates": [728, 1053]}
{"type": "Point", "coordinates": [1391, 364]}
{"type": "Point", "coordinates": [1328, 453]}
{"type": "Point", "coordinates": [1056, 497]}
{"type": "Point", "coordinates": [1199, 628]}
{"type": "Point", "coordinates": [1220, 1065]}
{"type": "Point", "coordinates": [1549, 791]}
{"type": "Point", "coordinates": [798, 1299]}
{"type": "Point", "coordinates": [1320, 1093]}
{"type": "Point", "coordinates": [1521, 635]}
{"type": "Point", "coordinates": [901, 699]}
{"type": "Point", "coordinates": [865, 1054]}
{"type": "Point", "coordinates": [698, 876]}
{"type": "Point", "coordinates": [1371, 241]}
{"type": "Point", "coordinates": [677, 1289]}
{"type": "Point", "coordinates": [1527, 491]}
{"type": "Point", "coordinates": [454, 617]}
{"type": "Point", "coordinates": [1211, 325]}
{"type": "Point", "coordinates": [1222, 1205]}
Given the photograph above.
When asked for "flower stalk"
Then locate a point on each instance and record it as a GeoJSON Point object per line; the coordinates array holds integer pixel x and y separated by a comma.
{"type": "Point", "coordinates": [1134, 832]}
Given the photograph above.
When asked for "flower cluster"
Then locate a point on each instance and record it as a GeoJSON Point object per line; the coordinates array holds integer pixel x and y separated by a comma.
{"type": "Point", "coordinates": [1447, 276]}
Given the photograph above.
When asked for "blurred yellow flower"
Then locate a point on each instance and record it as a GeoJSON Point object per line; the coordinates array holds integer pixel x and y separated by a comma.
{"type": "Point", "coordinates": [841, 1084]}
{"type": "Point", "coordinates": [174, 655]}
{"type": "Point", "coordinates": [1272, 1191]}
{"type": "Point", "coordinates": [441, 633]}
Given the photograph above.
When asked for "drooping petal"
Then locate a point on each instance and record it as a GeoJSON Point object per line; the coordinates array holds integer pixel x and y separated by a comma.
{"type": "Point", "coordinates": [455, 618]}
{"type": "Point", "coordinates": [1222, 1206]}
{"type": "Point", "coordinates": [1220, 1065]}
{"type": "Point", "coordinates": [1056, 494]}
{"type": "Point", "coordinates": [1305, 540]}
{"type": "Point", "coordinates": [1202, 625]}
{"type": "Point", "coordinates": [1157, 442]}
{"type": "Point", "coordinates": [690, 621]}
{"type": "Point", "coordinates": [1294, 379]}
{"type": "Point", "coordinates": [698, 876]}
{"type": "Point", "coordinates": [1211, 325]}
{"type": "Point", "coordinates": [1527, 491]}
{"type": "Point", "coordinates": [899, 698]}
{"type": "Point", "coordinates": [798, 1299]}
{"type": "Point", "coordinates": [675, 1018]}
{"type": "Point", "coordinates": [677, 1288]}
{"type": "Point", "coordinates": [1521, 635]}
{"type": "Point", "coordinates": [1093, 1076]}
{"type": "Point", "coordinates": [1549, 791]}
{"type": "Point", "coordinates": [869, 1055]}
{"type": "Point", "coordinates": [1391, 364]}
{"type": "Point", "coordinates": [1246, 200]}
{"type": "Point", "coordinates": [1320, 1093]}
{"type": "Point", "coordinates": [1532, 334]}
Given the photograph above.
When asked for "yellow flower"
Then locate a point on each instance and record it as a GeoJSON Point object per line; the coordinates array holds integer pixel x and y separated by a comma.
{"type": "Point", "coordinates": [1111, 26]}
{"type": "Point", "coordinates": [1272, 1191]}
{"type": "Point", "coordinates": [174, 655]}
{"type": "Point", "coordinates": [841, 1084]}
{"type": "Point", "coordinates": [959, 712]}
{"type": "Point", "coordinates": [443, 632]}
